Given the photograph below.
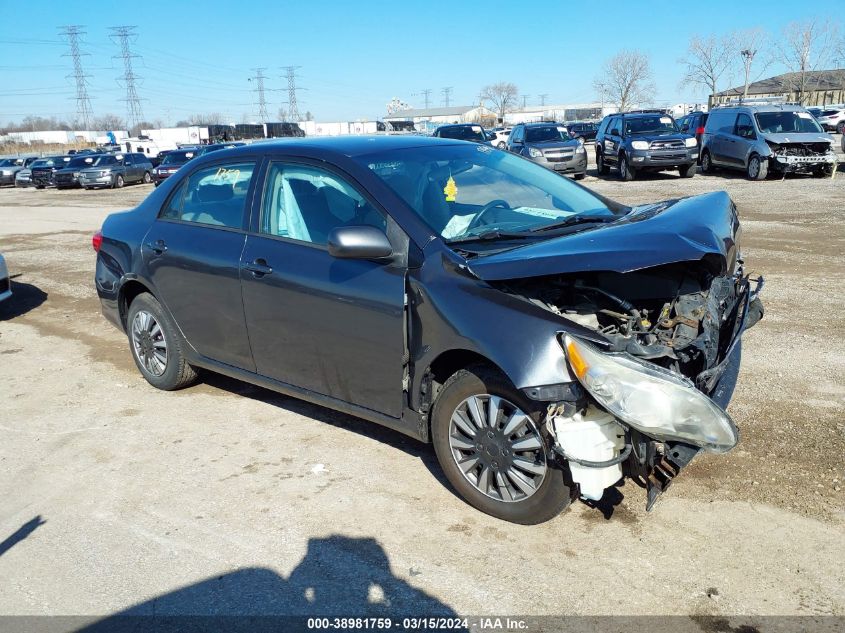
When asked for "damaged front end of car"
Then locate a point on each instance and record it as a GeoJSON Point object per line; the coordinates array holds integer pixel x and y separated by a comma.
{"type": "Point", "coordinates": [802, 157]}
{"type": "Point", "coordinates": [653, 383]}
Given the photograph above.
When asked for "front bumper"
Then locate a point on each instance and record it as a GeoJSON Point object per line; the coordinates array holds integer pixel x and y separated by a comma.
{"type": "Point", "coordinates": [663, 159]}
{"type": "Point", "coordinates": [7, 179]}
{"type": "Point", "coordinates": [95, 181]}
{"type": "Point", "coordinates": [575, 165]}
{"type": "Point", "coordinates": [802, 163]}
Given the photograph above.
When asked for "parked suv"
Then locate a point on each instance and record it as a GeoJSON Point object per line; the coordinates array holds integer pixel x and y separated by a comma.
{"type": "Point", "coordinates": [763, 138]}
{"type": "Point", "coordinates": [693, 123]}
{"type": "Point", "coordinates": [644, 141]}
{"type": "Point", "coordinates": [549, 145]}
{"type": "Point", "coordinates": [832, 119]}
{"type": "Point", "coordinates": [584, 131]}
{"type": "Point", "coordinates": [44, 170]}
{"type": "Point", "coordinates": [68, 176]}
{"type": "Point", "coordinates": [116, 170]}
{"type": "Point", "coordinates": [9, 168]}
{"type": "Point", "coordinates": [171, 164]}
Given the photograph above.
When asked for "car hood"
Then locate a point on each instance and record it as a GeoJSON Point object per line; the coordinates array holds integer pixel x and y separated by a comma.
{"type": "Point", "coordinates": [675, 136]}
{"type": "Point", "coordinates": [798, 137]}
{"type": "Point", "coordinates": [673, 231]}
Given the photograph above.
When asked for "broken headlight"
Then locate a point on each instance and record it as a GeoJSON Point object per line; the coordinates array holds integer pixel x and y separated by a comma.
{"type": "Point", "coordinates": [651, 399]}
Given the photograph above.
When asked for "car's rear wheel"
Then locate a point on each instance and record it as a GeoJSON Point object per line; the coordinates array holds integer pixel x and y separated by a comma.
{"type": "Point", "coordinates": [625, 170]}
{"type": "Point", "coordinates": [147, 178]}
{"type": "Point", "coordinates": [493, 450]}
{"type": "Point", "coordinates": [118, 181]}
{"type": "Point", "coordinates": [601, 167]}
{"type": "Point", "coordinates": [757, 168]}
{"type": "Point", "coordinates": [706, 163]}
{"type": "Point", "coordinates": [156, 346]}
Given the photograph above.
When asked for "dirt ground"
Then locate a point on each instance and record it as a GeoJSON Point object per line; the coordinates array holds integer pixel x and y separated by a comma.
{"type": "Point", "coordinates": [226, 498]}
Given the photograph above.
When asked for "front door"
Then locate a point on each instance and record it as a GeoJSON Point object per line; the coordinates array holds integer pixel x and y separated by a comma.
{"type": "Point", "coordinates": [192, 255]}
{"type": "Point", "coordinates": [332, 326]}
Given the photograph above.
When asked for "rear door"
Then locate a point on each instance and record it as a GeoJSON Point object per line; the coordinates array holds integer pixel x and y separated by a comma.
{"type": "Point", "coordinates": [612, 139]}
{"type": "Point", "coordinates": [192, 255]}
{"type": "Point", "coordinates": [331, 326]}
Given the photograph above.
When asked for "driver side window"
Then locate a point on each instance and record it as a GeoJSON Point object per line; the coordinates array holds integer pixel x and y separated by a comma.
{"type": "Point", "coordinates": [305, 203]}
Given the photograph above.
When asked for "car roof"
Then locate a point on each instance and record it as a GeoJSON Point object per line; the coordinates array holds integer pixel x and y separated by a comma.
{"type": "Point", "coordinates": [459, 125]}
{"type": "Point", "coordinates": [769, 107]}
{"type": "Point", "coordinates": [350, 146]}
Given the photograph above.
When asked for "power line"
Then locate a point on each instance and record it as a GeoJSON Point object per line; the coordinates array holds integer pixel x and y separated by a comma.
{"type": "Point", "coordinates": [425, 94]}
{"type": "Point", "coordinates": [259, 88]}
{"type": "Point", "coordinates": [83, 103]}
{"type": "Point", "coordinates": [447, 93]}
{"type": "Point", "coordinates": [293, 110]}
{"type": "Point", "coordinates": [121, 35]}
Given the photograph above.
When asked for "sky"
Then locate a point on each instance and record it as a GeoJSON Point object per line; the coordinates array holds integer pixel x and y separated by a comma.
{"type": "Point", "coordinates": [196, 57]}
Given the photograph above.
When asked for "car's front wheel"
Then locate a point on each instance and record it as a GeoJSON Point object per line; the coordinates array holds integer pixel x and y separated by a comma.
{"type": "Point", "coordinates": [493, 450]}
{"type": "Point", "coordinates": [156, 346]}
{"type": "Point", "coordinates": [625, 170]}
{"type": "Point", "coordinates": [688, 171]}
{"type": "Point", "coordinates": [147, 178]}
{"type": "Point", "coordinates": [757, 168]}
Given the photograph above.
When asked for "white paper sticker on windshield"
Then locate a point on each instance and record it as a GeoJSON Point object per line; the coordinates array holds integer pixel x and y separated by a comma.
{"type": "Point", "coordinates": [457, 225]}
{"type": "Point", "coordinates": [554, 214]}
{"type": "Point", "coordinates": [666, 119]}
{"type": "Point", "coordinates": [804, 115]}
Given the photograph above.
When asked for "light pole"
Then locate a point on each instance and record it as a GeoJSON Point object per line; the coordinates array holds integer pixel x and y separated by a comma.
{"type": "Point", "coordinates": [748, 57]}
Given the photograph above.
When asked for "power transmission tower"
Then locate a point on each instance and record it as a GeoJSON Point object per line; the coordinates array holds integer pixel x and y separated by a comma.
{"type": "Point", "coordinates": [543, 99]}
{"type": "Point", "coordinates": [122, 35]}
{"type": "Point", "coordinates": [524, 100]}
{"type": "Point", "coordinates": [259, 88]}
{"type": "Point", "coordinates": [425, 94]}
{"type": "Point", "coordinates": [293, 110]}
{"type": "Point", "coordinates": [447, 93]}
{"type": "Point", "coordinates": [83, 103]}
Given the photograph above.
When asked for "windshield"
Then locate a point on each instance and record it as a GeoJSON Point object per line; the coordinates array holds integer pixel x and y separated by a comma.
{"type": "Point", "coordinates": [656, 124]}
{"type": "Point", "coordinates": [781, 122]}
{"type": "Point", "coordinates": [49, 162]}
{"type": "Point", "coordinates": [81, 161]}
{"type": "Point", "coordinates": [540, 134]}
{"type": "Point", "coordinates": [463, 133]}
{"type": "Point", "coordinates": [108, 159]}
{"type": "Point", "coordinates": [463, 191]}
{"type": "Point", "coordinates": [178, 157]}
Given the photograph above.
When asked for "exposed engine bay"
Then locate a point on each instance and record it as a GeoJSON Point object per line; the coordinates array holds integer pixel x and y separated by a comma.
{"type": "Point", "coordinates": [802, 156]}
{"type": "Point", "coordinates": [679, 316]}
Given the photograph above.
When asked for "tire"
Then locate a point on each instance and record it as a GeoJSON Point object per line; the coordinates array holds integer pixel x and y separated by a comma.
{"type": "Point", "coordinates": [757, 169]}
{"type": "Point", "coordinates": [706, 163]}
{"type": "Point", "coordinates": [625, 171]}
{"type": "Point", "coordinates": [501, 145]}
{"type": "Point", "coordinates": [148, 344]}
{"type": "Point", "coordinates": [688, 171]}
{"type": "Point", "coordinates": [840, 127]}
{"type": "Point", "coordinates": [118, 182]}
{"type": "Point", "coordinates": [548, 493]}
{"type": "Point", "coordinates": [40, 186]}
{"type": "Point", "coordinates": [147, 178]}
{"type": "Point", "coordinates": [601, 167]}
{"type": "Point", "coordinates": [580, 176]}
{"type": "Point", "coordinates": [823, 172]}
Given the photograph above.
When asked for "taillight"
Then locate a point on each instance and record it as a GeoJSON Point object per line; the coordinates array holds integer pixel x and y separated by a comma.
{"type": "Point", "coordinates": [699, 130]}
{"type": "Point", "coordinates": [97, 241]}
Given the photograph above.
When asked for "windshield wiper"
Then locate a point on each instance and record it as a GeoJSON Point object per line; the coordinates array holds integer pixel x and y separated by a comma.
{"type": "Point", "coordinates": [494, 234]}
{"type": "Point", "coordinates": [573, 220]}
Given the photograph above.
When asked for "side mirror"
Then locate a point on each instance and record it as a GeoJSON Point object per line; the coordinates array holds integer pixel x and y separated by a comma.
{"type": "Point", "coordinates": [358, 242]}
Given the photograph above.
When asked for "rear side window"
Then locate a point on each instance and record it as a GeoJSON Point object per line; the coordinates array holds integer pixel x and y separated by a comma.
{"type": "Point", "coordinates": [214, 196]}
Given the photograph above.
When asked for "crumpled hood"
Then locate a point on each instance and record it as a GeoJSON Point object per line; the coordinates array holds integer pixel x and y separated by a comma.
{"type": "Point", "coordinates": [650, 235]}
{"type": "Point", "coordinates": [798, 137]}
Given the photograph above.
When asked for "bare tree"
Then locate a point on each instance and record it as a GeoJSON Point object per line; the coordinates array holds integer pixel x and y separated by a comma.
{"type": "Point", "coordinates": [502, 95]}
{"type": "Point", "coordinates": [108, 122]}
{"type": "Point", "coordinates": [626, 80]}
{"type": "Point", "coordinates": [283, 113]}
{"type": "Point", "coordinates": [211, 118]}
{"type": "Point", "coordinates": [708, 60]}
{"type": "Point", "coordinates": [805, 47]}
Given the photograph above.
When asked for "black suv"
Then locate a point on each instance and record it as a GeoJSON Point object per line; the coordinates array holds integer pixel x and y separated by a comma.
{"type": "Point", "coordinates": [583, 131]}
{"type": "Point", "coordinates": [644, 141]}
{"type": "Point", "coordinates": [68, 176]}
{"type": "Point", "coordinates": [549, 145]}
{"type": "Point", "coordinates": [693, 123]}
{"type": "Point", "coordinates": [44, 170]}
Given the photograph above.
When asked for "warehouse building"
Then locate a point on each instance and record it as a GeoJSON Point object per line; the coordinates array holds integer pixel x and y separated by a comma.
{"type": "Point", "coordinates": [821, 87]}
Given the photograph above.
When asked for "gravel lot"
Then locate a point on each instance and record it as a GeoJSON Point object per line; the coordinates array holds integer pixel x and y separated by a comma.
{"type": "Point", "coordinates": [226, 498]}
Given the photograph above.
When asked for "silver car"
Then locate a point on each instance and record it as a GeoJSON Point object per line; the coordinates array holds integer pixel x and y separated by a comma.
{"type": "Point", "coordinates": [10, 167]}
{"type": "Point", "coordinates": [5, 281]}
{"type": "Point", "coordinates": [759, 139]}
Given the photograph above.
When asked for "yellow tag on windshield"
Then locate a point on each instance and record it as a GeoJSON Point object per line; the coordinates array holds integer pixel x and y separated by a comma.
{"type": "Point", "coordinates": [451, 190]}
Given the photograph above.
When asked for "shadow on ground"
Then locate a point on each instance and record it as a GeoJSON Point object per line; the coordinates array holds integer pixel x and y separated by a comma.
{"type": "Point", "coordinates": [25, 297]}
{"type": "Point", "coordinates": [339, 576]}
{"type": "Point", "coordinates": [21, 533]}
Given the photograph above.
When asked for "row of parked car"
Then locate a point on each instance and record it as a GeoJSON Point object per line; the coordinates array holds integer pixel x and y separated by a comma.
{"type": "Point", "coordinates": [755, 137]}
{"type": "Point", "coordinates": [99, 168]}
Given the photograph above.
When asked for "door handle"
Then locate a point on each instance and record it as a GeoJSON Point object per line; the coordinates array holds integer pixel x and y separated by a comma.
{"type": "Point", "coordinates": [258, 268]}
{"type": "Point", "coordinates": [158, 247]}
